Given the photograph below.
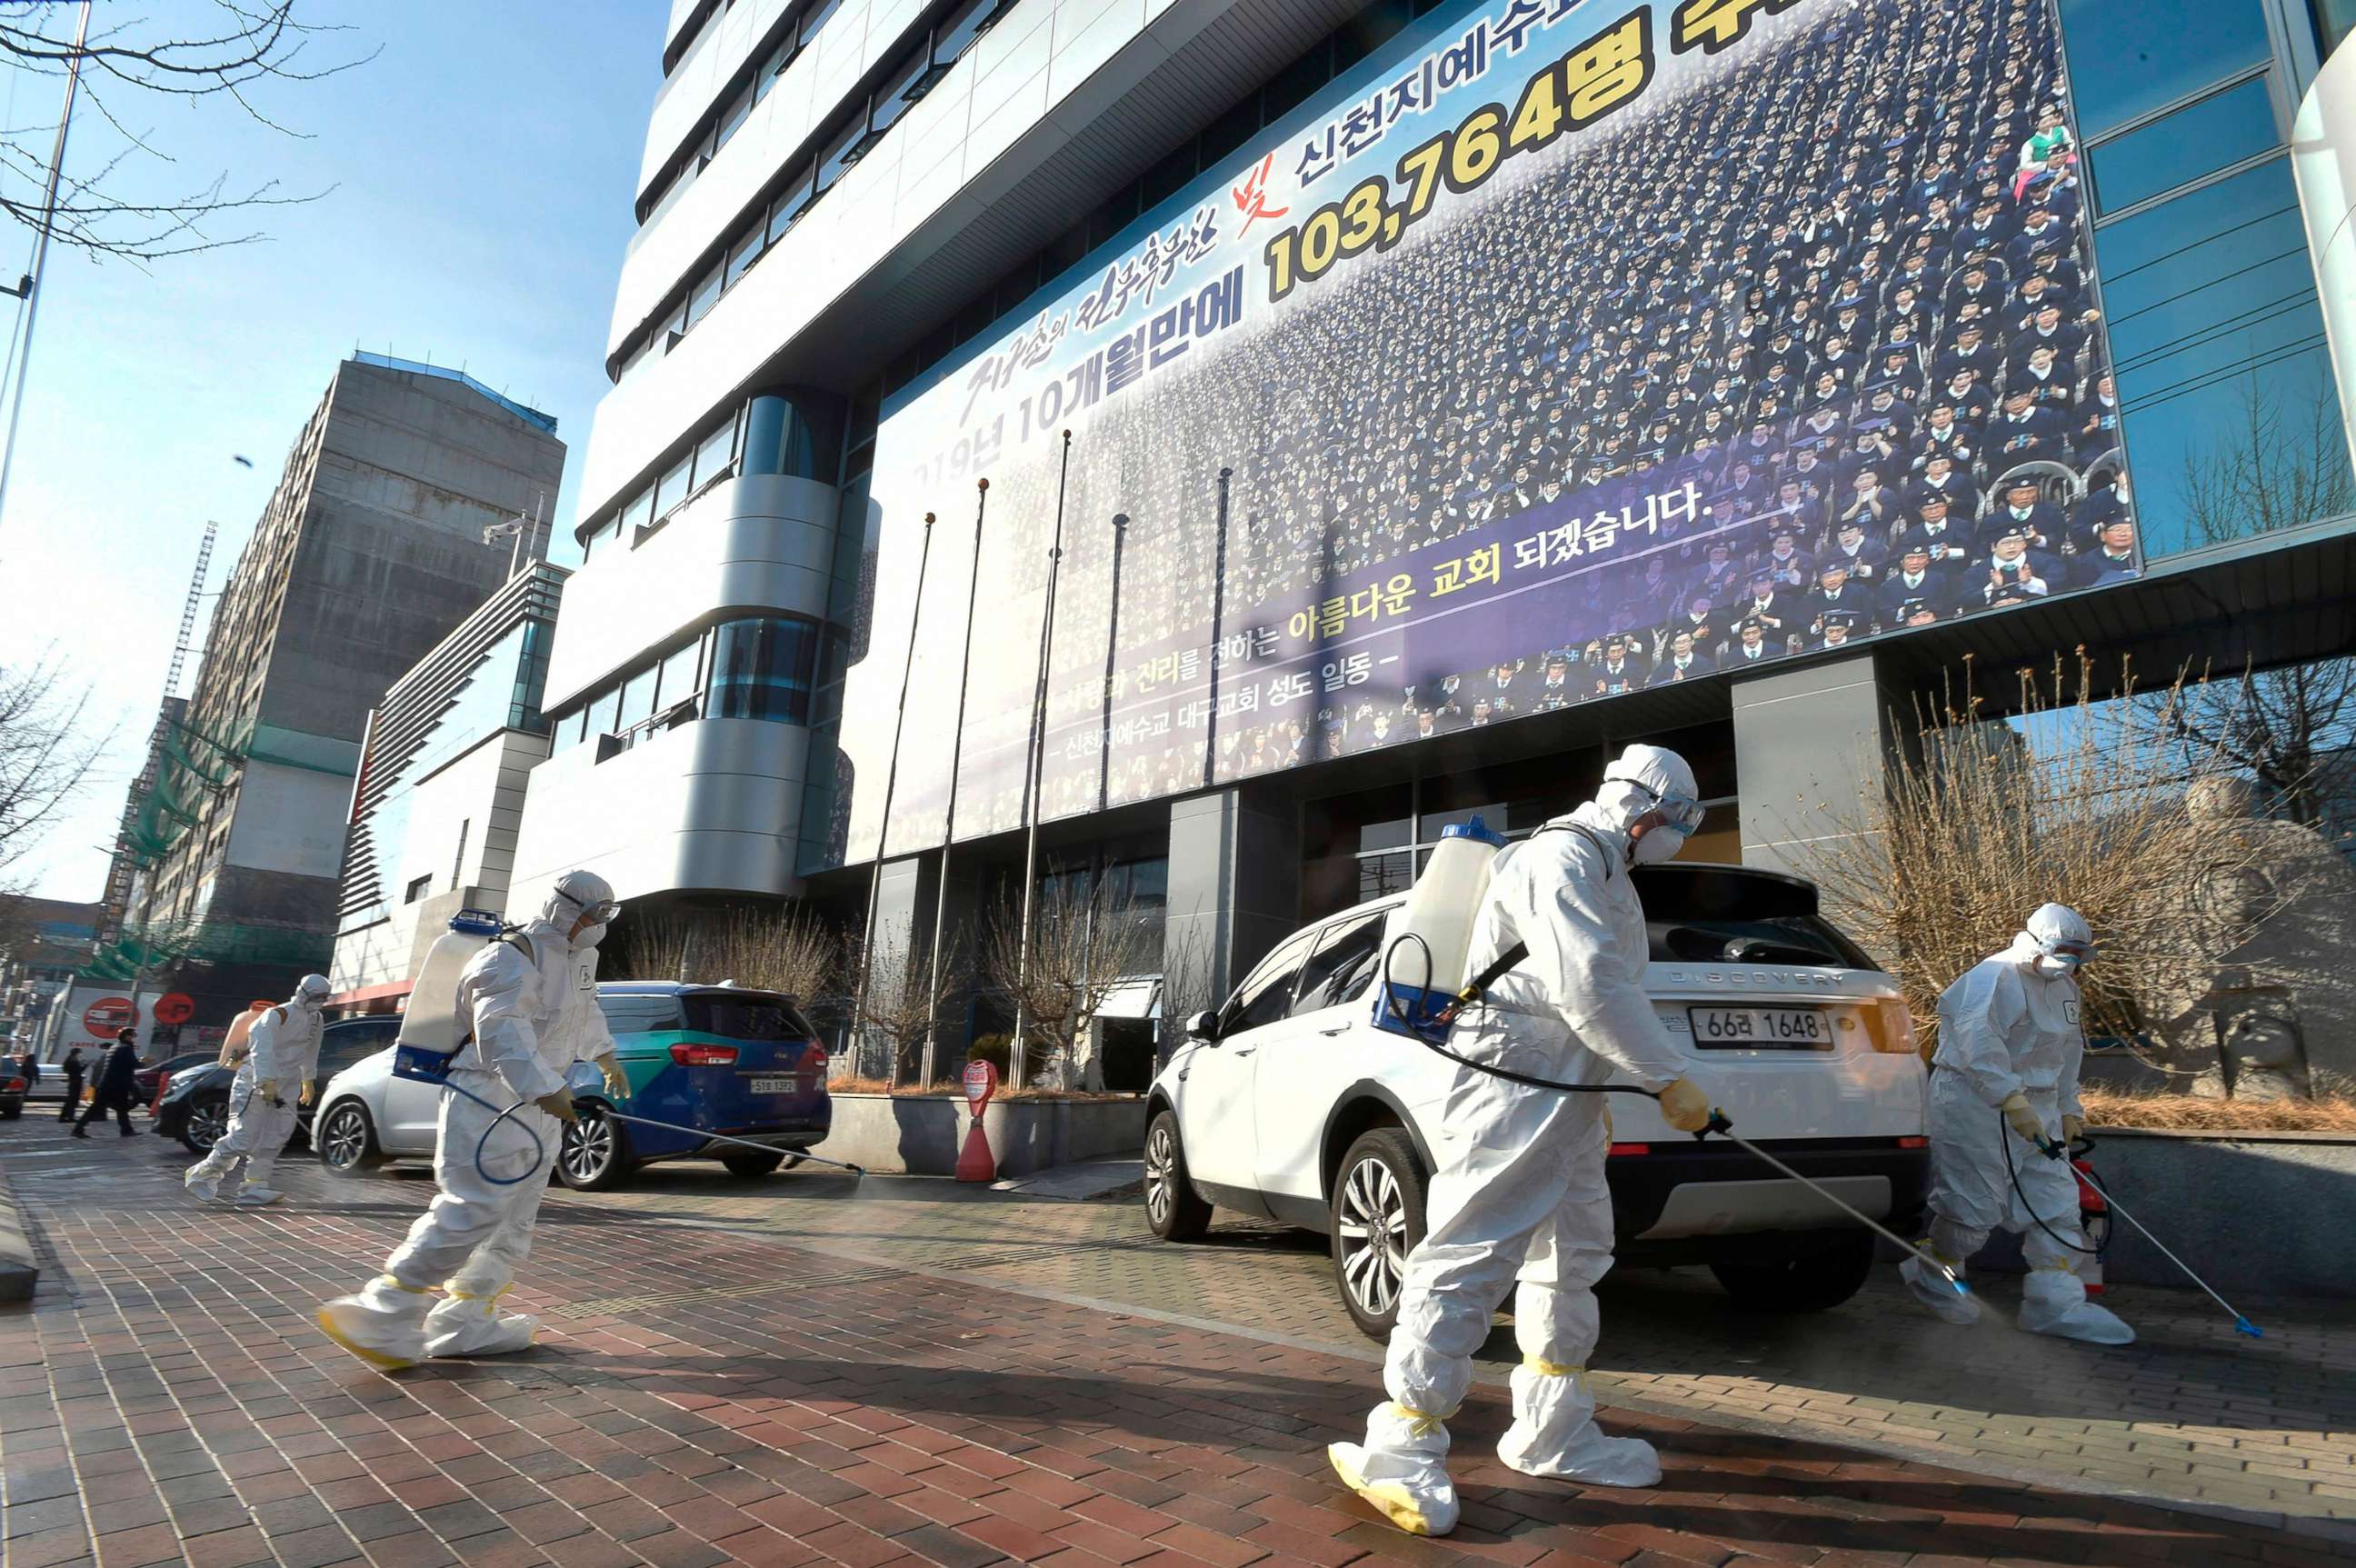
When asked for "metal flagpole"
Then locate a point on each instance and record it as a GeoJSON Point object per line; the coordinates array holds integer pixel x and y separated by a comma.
{"type": "Point", "coordinates": [1112, 655]}
{"type": "Point", "coordinates": [884, 828]}
{"type": "Point", "coordinates": [32, 285]}
{"type": "Point", "coordinates": [1019, 1057]}
{"type": "Point", "coordinates": [1218, 632]}
{"type": "Point", "coordinates": [949, 824]}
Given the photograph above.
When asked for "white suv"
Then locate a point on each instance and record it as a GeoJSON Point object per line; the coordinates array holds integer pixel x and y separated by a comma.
{"type": "Point", "coordinates": [1288, 1104]}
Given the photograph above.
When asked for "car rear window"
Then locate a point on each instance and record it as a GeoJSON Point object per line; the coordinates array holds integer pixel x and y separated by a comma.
{"type": "Point", "coordinates": [1780, 939]}
{"type": "Point", "coordinates": [746, 1017]}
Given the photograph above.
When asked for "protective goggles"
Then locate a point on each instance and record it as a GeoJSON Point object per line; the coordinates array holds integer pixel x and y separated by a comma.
{"type": "Point", "coordinates": [601, 914]}
{"type": "Point", "coordinates": [1680, 811]}
{"type": "Point", "coordinates": [2071, 955]}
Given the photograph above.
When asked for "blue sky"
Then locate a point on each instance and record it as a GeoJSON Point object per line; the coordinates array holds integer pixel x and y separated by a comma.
{"type": "Point", "coordinates": [482, 167]}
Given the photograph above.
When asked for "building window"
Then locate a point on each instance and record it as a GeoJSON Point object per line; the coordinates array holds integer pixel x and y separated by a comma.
{"type": "Point", "coordinates": [2128, 57]}
{"type": "Point", "coordinates": [2217, 131]}
{"type": "Point", "coordinates": [2210, 296]}
{"type": "Point", "coordinates": [418, 888]}
{"type": "Point", "coordinates": [761, 669]}
{"type": "Point", "coordinates": [2334, 20]}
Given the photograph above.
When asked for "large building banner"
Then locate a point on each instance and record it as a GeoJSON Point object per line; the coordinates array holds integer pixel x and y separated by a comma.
{"type": "Point", "coordinates": [1560, 348]}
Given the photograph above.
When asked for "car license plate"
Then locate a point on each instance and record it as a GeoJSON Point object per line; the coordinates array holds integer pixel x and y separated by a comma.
{"type": "Point", "coordinates": [771, 1086]}
{"type": "Point", "coordinates": [1773, 1029]}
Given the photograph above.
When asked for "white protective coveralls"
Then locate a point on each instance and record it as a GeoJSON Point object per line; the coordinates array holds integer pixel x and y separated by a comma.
{"type": "Point", "coordinates": [2011, 1026]}
{"type": "Point", "coordinates": [1519, 1193]}
{"type": "Point", "coordinates": [282, 1057]}
{"type": "Point", "coordinates": [532, 1000]}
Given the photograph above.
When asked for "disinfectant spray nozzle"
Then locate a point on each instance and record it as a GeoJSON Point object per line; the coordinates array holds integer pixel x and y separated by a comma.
{"type": "Point", "coordinates": [1718, 1123]}
{"type": "Point", "coordinates": [2244, 1326]}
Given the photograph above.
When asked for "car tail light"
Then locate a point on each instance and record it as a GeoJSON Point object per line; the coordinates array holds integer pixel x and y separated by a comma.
{"type": "Point", "coordinates": [814, 1059]}
{"type": "Point", "coordinates": [1913, 1143]}
{"type": "Point", "coordinates": [1629, 1149]}
{"type": "Point", "coordinates": [16, 1086]}
{"type": "Point", "coordinates": [1890, 1027]}
{"type": "Point", "coordinates": [686, 1055]}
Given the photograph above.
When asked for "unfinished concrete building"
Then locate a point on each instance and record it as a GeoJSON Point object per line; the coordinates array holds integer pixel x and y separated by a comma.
{"type": "Point", "coordinates": [370, 552]}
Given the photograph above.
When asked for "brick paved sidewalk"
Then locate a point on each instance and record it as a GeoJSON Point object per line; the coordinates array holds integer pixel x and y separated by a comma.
{"type": "Point", "coordinates": [704, 1397]}
{"type": "Point", "coordinates": [2191, 1410]}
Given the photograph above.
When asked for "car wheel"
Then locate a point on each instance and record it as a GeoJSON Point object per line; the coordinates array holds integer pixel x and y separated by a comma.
{"type": "Point", "coordinates": [11, 1109]}
{"type": "Point", "coordinates": [346, 1142]}
{"type": "Point", "coordinates": [595, 1153]}
{"type": "Point", "coordinates": [1173, 1209]}
{"type": "Point", "coordinates": [1811, 1282]}
{"type": "Point", "coordinates": [745, 1162]}
{"type": "Point", "coordinates": [1378, 1196]}
{"type": "Point", "coordinates": [207, 1121]}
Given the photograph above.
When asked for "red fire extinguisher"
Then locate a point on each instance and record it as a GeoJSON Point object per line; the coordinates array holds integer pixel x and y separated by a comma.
{"type": "Point", "coordinates": [2095, 1219]}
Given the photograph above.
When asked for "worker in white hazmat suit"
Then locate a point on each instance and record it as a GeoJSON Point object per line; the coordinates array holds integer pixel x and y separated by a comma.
{"type": "Point", "coordinates": [2004, 1079]}
{"type": "Point", "coordinates": [1520, 1191]}
{"type": "Point", "coordinates": [273, 1080]}
{"type": "Point", "coordinates": [531, 998]}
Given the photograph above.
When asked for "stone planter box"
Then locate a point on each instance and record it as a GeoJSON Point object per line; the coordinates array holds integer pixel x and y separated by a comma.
{"type": "Point", "coordinates": [916, 1134]}
{"type": "Point", "coordinates": [2260, 1214]}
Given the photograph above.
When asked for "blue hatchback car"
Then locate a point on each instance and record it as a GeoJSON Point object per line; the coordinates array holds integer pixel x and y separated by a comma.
{"type": "Point", "coordinates": [717, 1059]}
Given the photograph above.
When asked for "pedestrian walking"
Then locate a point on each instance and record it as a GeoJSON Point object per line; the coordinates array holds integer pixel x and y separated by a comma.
{"type": "Point", "coordinates": [75, 1067]}
{"type": "Point", "coordinates": [116, 1086]}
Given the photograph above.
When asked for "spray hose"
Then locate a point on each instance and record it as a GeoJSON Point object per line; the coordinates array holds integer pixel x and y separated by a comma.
{"type": "Point", "coordinates": [540, 1149]}
{"type": "Point", "coordinates": [2053, 1149]}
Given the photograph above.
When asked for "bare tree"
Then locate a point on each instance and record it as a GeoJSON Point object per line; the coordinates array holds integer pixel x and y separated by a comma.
{"type": "Point", "coordinates": [904, 1002]}
{"type": "Point", "coordinates": [789, 951]}
{"type": "Point", "coordinates": [48, 749]}
{"type": "Point", "coordinates": [1975, 822]}
{"type": "Point", "coordinates": [1086, 937]}
{"type": "Point", "coordinates": [2284, 463]}
{"type": "Point", "coordinates": [132, 69]}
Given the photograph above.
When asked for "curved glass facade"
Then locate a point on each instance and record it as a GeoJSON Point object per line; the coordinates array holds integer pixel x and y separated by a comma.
{"type": "Point", "coordinates": [762, 669]}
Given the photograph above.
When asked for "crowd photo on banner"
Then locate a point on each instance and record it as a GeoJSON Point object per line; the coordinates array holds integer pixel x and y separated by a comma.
{"type": "Point", "coordinates": [1814, 322]}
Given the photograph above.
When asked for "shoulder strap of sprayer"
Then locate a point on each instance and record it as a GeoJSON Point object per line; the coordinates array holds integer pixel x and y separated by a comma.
{"type": "Point", "coordinates": [1479, 984]}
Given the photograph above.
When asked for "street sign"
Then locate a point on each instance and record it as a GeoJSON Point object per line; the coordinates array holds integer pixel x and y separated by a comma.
{"type": "Point", "coordinates": [108, 1014]}
{"type": "Point", "coordinates": [975, 1162]}
{"type": "Point", "coordinates": [980, 1083]}
{"type": "Point", "coordinates": [177, 1008]}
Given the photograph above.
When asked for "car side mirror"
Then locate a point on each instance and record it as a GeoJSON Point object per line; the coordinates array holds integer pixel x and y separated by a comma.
{"type": "Point", "coordinates": [1204, 1027]}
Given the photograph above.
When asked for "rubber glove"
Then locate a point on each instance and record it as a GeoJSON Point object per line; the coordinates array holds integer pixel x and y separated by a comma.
{"type": "Point", "coordinates": [2072, 1127]}
{"type": "Point", "coordinates": [268, 1089]}
{"type": "Point", "coordinates": [616, 1084]}
{"type": "Point", "coordinates": [2016, 1111]}
{"type": "Point", "coordinates": [559, 1105]}
{"type": "Point", "coordinates": [1685, 1107]}
{"type": "Point", "coordinates": [310, 1093]}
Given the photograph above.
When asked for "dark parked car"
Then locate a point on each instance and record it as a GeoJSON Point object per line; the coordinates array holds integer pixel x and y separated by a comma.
{"type": "Point", "coordinates": [150, 1080]}
{"type": "Point", "coordinates": [12, 1093]}
{"type": "Point", "coordinates": [195, 1103]}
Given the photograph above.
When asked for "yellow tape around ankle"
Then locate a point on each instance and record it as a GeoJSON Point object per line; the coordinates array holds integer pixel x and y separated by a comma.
{"type": "Point", "coordinates": [1546, 1368]}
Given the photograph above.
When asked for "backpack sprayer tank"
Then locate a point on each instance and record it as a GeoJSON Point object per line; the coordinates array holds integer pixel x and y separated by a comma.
{"type": "Point", "coordinates": [431, 1030]}
{"type": "Point", "coordinates": [1424, 964]}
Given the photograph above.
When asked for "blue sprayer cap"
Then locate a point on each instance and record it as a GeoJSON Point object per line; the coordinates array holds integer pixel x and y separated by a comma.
{"type": "Point", "coordinates": [476, 923]}
{"type": "Point", "coordinates": [1475, 829]}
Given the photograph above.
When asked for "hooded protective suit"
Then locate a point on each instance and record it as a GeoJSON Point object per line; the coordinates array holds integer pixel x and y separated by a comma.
{"type": "Point", "coordinates": [282, 1057]}
{"type": "Point", "coordinates": [532, 1000]}
{"type": "Point", "coordinates": [1520, 1193]}
{"type": "Point", "coordinates": [2010, 1044]}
